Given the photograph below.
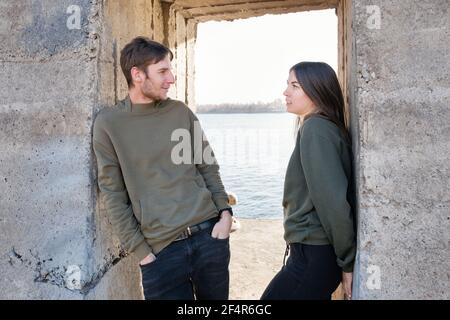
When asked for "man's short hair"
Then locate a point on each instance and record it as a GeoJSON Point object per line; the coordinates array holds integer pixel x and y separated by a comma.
{"type": "Point", "coordinates": [140, 53]}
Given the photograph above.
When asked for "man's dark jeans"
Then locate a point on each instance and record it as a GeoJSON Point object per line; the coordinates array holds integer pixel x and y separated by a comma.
{"type": "Point", "coordinates": [194, 268]}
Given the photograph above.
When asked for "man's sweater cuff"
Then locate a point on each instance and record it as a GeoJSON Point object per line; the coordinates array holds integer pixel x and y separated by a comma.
{"type": "Point", "coordinates": [221, 203]}
{"type": "Point", "coordinates": [226, 209]}
{"type": "Point", "coordinates": [142, 250]}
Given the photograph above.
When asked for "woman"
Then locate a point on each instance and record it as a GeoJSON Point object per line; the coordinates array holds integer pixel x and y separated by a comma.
{"type": "Point", "coordinates": [318, 216]}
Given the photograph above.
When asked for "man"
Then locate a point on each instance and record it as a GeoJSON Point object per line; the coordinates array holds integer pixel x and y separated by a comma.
{"type": "Point", "coordinates": [173, 215]}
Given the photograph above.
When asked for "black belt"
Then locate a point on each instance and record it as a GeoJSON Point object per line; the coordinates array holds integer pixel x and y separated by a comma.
{"type": "Point", "coordinates": [190, 231]}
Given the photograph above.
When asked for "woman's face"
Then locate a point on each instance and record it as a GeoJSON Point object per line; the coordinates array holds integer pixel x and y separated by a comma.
{"type": "Point", "coordinates": [297, 102]}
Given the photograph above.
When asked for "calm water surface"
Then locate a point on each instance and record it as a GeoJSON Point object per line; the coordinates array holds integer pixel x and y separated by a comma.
{"type": "Point", "coordinates": [253, 151]}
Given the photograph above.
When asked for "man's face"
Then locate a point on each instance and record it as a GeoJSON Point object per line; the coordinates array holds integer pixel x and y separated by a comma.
{"type": "Point", "coordinates": [158, 80]}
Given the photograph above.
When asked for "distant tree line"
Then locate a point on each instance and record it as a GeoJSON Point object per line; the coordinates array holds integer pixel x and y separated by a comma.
{"type": "Point", "coordinates": [253, 107]}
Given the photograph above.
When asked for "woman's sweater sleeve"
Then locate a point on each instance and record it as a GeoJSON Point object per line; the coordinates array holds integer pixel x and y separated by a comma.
{"type": "Point", "coordinates": [327, 184]}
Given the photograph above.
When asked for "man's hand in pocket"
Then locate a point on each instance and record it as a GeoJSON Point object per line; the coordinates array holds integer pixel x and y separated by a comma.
{"type": "Point", "coordinates": [148, 259]}
{"type": "Point", "coordinates": [222, 228]}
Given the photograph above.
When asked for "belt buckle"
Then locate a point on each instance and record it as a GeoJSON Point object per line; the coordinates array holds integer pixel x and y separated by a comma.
{"type": "Point", "coordinates": [189, 231]}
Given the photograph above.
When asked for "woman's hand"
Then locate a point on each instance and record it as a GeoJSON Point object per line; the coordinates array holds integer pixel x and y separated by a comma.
{"type": "Point", "coordinates": [222, 228]}
{"type": "Point", "coordinates": [347, 279]}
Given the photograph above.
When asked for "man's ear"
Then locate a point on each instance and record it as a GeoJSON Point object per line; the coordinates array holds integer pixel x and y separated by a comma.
{"type": "Point", "coordinates": [136, 74]}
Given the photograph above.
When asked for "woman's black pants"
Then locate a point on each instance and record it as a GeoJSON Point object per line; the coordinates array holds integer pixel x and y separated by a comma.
{"type": "Point", "coordinates": [310, 273]}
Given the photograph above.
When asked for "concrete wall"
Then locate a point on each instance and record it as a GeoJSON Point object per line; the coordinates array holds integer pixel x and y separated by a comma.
{"type": "Point", "coordinates": [401, 98]}
{"type": "Point", "coordinates": [48, 93]}
{"type": "Point", "coordinates": [181, 36]}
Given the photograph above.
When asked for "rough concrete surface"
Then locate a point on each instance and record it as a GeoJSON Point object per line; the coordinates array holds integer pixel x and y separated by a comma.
{"type": "Point", "coordinates": [403, 97]}
{"type": "Point", "coordinates": [46, 102]}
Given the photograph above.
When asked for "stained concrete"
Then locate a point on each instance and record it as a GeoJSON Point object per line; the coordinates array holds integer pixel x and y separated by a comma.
{"type": "Point", "coordinates": [402, 94]}
{"type": "Point", "coordinates": [46, 103]}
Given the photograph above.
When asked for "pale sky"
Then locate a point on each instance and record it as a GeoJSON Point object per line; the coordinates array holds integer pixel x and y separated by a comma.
{"type": "Point", "coordinates": [248, 60]}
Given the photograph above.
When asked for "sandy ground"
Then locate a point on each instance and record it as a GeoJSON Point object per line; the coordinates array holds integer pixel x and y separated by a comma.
{"type": "Point", "coordinates": [257, 251]}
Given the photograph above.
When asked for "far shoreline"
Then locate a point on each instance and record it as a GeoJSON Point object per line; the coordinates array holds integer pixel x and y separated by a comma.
{"type": "Point", "coordinates": [276, 106]}
{"type": "Point", "coordinates": [239, 112]}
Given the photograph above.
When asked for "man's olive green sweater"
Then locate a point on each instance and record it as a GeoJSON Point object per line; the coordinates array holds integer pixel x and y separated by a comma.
{"type": "Point", "coordinates": [317, 190]}
{"type": "Point", "coordinates": [149, 199]}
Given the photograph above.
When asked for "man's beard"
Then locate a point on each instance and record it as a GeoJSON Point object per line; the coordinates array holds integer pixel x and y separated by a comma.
{"type": "Point", "coordinates": [148, 92]}
{"type": "Point", "coordinates": [151, 95]}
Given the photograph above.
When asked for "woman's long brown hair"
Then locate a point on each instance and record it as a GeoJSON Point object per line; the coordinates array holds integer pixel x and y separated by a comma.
{"type": "Point", "coordinates": [320, 83]}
